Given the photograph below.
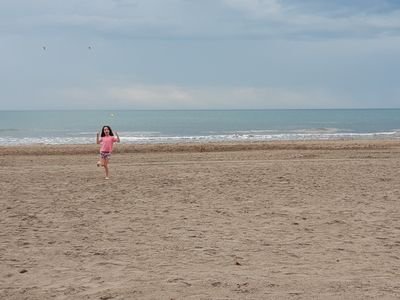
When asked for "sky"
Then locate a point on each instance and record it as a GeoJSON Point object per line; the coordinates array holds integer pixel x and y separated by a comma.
{"type": "Point", "coordinates": [199, 54]}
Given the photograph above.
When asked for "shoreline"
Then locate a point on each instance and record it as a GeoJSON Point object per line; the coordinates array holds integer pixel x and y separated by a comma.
{"type": "Point", "coordinates": [78, 149]}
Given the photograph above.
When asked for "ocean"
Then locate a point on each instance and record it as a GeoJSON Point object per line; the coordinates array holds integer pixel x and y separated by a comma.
{"type": "Point", "coordinates": [179, 126]}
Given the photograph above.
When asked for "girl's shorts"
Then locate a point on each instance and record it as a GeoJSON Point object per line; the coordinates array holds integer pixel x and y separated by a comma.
{"type": "Point", "coordinates": [105, 155]}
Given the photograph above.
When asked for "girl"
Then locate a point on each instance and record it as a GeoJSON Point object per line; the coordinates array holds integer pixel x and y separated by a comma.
{"type": "Point", "coordinates": [106, 141]}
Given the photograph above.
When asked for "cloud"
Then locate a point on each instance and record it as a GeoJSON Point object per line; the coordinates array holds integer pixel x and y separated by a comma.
{"type": "Point", "coordinates": [316, 19]}
{"type": "Point", "coordinates": [151, 96]}
{"type": "Point", "coordinates": [139, 96]}
{"type": "Point", "coordinates": [215, 19]}
{"type": "Point", "coordinates": [177, 54]}
{"type": "Point", "coordinates": [257, 8]}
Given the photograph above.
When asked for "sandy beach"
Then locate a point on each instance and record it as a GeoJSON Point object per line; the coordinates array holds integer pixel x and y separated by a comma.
{"type": "Point", "coordinates": [273, 220]}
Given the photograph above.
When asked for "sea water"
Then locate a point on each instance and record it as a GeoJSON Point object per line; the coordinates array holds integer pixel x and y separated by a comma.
{"type": "Point", "coordinates": [177, 126]}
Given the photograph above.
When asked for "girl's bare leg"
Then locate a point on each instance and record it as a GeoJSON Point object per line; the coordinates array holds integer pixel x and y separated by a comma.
{"type": "Point", "coordinates": [105, 165]}
{"type": "Point", "coordinates": [100, 162]}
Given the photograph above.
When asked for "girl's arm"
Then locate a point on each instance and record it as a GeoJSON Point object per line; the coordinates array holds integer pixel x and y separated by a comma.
{"type": "Point", "coordinates": [118, 140]}
{"type": "Point", "coordinates": [97, 138]}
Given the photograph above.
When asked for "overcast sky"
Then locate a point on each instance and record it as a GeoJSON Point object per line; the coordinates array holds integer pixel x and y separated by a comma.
{"type": "Point", "coordinates": [199, 54]}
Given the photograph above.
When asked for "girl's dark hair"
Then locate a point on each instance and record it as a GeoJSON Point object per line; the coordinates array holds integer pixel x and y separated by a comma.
{"type": "Point", "coordinates": [102, 131]}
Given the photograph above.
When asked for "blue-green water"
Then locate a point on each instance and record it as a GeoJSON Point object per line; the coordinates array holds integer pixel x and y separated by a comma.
{"type": "Point", "coordinates": [80, 127]}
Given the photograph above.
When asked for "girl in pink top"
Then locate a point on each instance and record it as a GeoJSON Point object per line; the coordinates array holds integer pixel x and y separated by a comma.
{"type": "Point", "coordinates": [106, 141]}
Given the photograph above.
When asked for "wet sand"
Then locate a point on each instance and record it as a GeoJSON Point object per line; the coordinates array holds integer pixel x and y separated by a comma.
{"type": "Point", "coordinates": [278, 220]}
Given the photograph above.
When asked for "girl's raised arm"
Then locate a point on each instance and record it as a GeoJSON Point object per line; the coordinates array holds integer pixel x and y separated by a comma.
{"type": "Point", "coordinates": [118, 140]}
{"type": "Point", "coordinates": [97, 138]}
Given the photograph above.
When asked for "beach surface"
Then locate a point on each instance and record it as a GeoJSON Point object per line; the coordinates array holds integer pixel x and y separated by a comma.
{"type": "Point", "coordinates": [272, 220]}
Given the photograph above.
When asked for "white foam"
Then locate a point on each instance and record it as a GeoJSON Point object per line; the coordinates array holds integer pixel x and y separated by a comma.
{"type": "Point", "coordinates": [154, 137]}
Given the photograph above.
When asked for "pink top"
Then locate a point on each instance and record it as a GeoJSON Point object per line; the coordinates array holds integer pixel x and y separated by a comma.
{"type": "Point", "coordinates": [106, 143]}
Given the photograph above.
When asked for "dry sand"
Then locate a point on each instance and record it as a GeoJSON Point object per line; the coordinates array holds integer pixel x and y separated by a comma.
{"type": "Point", "coordinates": [301, 220]}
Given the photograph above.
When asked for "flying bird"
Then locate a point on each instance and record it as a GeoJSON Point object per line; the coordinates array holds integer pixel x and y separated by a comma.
{"type": "Point", "coordinates": [44, 47]}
